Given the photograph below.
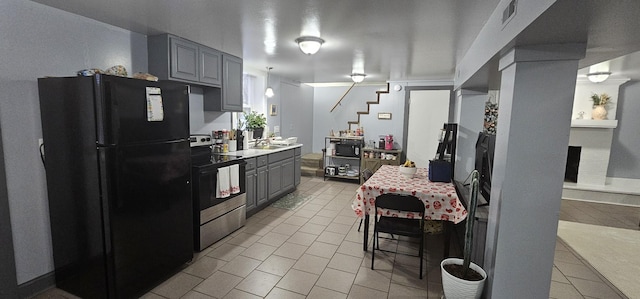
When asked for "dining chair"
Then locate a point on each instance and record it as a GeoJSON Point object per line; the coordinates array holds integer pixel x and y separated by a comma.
{"type": "Point", "coordinates": [390, 223]}
{"type": "Point", "coordinates": [366, 174]}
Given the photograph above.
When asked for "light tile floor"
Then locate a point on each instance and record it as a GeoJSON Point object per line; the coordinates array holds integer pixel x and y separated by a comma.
{"type": "Point", "coordinates": [316, 251]}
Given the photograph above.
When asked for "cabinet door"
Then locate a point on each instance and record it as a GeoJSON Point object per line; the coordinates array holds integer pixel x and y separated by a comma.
{"type": "Point", "coordinates": [371, 164]}
{"type": "Point", "coordinates": [184, 60]}
{"type": "Point", "coordinates": [261, 185]}
{"type": "Point", "coordinates": [288, 174]}
{"type": "Point", "coordinates": [210, 66]}
{"type": "Point", "coordinates": [231, 83]}
{"type": "Point", "coordinates": [251, 189]}
{"type": "Point", "coordinates": [297, 170]}
{"type": "Point", "coordinates": [275, 179]}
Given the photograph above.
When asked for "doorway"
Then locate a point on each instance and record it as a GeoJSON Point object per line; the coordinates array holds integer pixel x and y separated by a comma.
{"type": "Point", "coordinates": [428, 111]}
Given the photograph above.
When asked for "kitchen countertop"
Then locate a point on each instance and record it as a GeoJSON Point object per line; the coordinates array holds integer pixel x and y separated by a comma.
{"type": "Point", "coordinates": [255, 152]}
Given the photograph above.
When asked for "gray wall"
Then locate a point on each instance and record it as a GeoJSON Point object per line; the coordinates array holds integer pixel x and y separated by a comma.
{"type": "Point", "coordinates": [203, 122]}
{"type": "Point", "coordinates": [296, 113]}
{"type": "Point", "coordinates": [324, 121]}
{"type": "Point", "coordinates": [41, 41]}
{"type": "Point", "coordinates": [624, 161]}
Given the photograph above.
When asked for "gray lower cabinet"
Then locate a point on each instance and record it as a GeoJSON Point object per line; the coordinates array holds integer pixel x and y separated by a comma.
{"type": "Point", "coordinates": [256, 182]}
{"type": "Point", "coordinates": [268, 177]}
{"type": "Point", "coordinates": [288, 174]}
{"type": "Point", "coordinates": [297, 166]}
{"type": "Point", "coordinates": [275, 179]}
{"type": "Point", "coordinates": [261, 185]}
{"type": "Point", "coordinates": [250, 185]}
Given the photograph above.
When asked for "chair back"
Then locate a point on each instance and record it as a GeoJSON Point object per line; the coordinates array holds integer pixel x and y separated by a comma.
{"type": "Point", "coordinates": [406, 203]}
{"type": "Point", "coordinates": [366, 174]}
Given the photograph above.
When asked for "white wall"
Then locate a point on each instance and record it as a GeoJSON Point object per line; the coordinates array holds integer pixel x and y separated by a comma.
{"type": "Point", "coordinates": [41, 41]}
{"type": "Point", "coordinates": [469, 115]}
{"type": "Point", "coordinates": [624, 161]}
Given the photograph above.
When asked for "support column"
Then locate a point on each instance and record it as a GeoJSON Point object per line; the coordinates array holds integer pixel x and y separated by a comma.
{"type": "Point", "coordinates": [534, 119]}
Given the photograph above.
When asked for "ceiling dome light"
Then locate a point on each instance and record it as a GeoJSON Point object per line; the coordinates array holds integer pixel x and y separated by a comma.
{"type": "Point", "coordinates": [358, 77]}
{"type": "Point", "coordinates": [309, 44]}
{"type": "Point", "coordinates": [269, 92]}
{"type": "Point", "coordinates": [598, 77]}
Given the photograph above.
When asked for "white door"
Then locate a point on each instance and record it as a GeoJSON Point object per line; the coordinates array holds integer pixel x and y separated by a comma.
{"type": "Point", "coordinates": [428, 111]}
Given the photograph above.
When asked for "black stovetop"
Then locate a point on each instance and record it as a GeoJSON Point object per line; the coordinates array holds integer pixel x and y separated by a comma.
{"type": "Point", "coordinates": [203, 156]}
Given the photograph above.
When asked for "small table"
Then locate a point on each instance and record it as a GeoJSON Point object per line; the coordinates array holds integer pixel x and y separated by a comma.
{"type": "Point", "coordinates": [440, 199]}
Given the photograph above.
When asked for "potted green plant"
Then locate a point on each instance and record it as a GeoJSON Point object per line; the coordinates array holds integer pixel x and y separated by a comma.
{"type": "Point", "coordinates": [460, 277]}
{"type": "Point", "coordinates": [599, 102]}
{"type": "Point", "coordinates": [255, 122]}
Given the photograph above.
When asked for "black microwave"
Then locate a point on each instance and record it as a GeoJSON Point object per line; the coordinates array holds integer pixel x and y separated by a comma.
{"type": "Point", "coordinates": [347, 150]}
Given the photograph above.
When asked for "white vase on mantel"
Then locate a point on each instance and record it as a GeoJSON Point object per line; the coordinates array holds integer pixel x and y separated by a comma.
{"type": "Point", "coordinates": [599, 112]}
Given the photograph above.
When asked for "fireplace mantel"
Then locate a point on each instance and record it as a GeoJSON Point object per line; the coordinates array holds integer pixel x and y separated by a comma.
{"type": "Point", "coordinates": [590, 123]}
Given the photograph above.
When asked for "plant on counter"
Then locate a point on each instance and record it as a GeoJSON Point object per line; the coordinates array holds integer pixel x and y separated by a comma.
{"type": "Point", "coordinates": [460, 277]}
{"type": "Point", "coordinates": [255, 120]}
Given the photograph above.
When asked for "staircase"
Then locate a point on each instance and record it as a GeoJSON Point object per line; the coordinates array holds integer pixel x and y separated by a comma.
{"type": "Point", "coordinates": [369, 103]}
{"type": "Point", "coordinates": [311, 165]}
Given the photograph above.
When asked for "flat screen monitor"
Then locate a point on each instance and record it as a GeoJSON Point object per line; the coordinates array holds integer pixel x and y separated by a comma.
{"type": "Point", "coordinates": [485, 147]}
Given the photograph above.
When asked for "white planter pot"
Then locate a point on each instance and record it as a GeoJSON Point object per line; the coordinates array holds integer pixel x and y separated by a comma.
{"type": "Point", "coordinates": [456, 288]}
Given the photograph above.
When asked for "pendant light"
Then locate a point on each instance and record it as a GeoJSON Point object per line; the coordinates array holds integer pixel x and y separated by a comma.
{"type": "Point", "coordinates": [269, 91]}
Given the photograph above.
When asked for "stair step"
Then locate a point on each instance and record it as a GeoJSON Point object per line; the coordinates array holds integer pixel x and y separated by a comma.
{"type": "Point", "coordinates": [310, 171]}
{"type": "Point", "coordinates": [312, 160]}
{"type": "Point", "coordinates": [362, 112]}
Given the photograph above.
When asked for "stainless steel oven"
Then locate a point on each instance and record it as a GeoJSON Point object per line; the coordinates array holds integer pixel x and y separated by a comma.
{"type": "Point", "coordinates": [215, 218]}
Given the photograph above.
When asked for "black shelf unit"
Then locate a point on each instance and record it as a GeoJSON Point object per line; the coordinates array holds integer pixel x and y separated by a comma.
{"type": "Point", "coordinates": [331, 159]}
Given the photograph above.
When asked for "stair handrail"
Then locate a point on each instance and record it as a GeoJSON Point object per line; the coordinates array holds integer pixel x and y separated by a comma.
{"type": "Point", "coordinates": [344, 95]}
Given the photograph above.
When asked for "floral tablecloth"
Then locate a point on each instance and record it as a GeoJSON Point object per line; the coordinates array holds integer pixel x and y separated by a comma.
{"type": "Point", "coordinates": [440, 199]}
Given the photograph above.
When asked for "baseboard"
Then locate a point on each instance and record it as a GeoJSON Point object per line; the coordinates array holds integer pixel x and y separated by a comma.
{"type": "Point", "coordinates": [37, 285]}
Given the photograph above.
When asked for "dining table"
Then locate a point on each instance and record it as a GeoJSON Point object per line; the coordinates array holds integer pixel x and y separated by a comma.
{"type": "Point", "coordinates": [440, 198]}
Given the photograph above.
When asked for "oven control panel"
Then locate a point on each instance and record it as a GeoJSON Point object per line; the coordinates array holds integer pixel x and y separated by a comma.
{"type": "Point", "coordinates": [200, 140]}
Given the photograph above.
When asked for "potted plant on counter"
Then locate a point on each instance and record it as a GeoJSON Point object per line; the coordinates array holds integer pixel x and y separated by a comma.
{"type": "Point", "coordinates": [255, 122]}
{"type": "Point", "coordinates": [460, 277]}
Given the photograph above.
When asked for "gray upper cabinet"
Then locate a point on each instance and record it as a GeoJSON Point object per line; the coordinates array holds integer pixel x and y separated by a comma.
{"type": "Point", "coordinates": [210, 66]}
{"type": "Point", "coordinates": [175, 58]}
{"type": "Point", "coordinates": [231, 83]}
{"type": "Point", "coordinates": [184, 60]}
{"type": "Point", "coordinates": [229, 98]}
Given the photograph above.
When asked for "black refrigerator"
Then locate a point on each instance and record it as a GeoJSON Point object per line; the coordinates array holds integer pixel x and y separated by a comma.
{"type": "Point", "coordinates": [118, 169]}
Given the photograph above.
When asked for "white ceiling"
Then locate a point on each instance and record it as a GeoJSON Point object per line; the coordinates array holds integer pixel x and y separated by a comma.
{"type": "Point", "coordinates": [388, 40]}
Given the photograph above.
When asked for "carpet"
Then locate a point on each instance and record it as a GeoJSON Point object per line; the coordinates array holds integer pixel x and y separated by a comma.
{"type": "Point", "coordinates": [291, 201]}
{"type": "Point", "coordinates": [611, 251]}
